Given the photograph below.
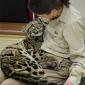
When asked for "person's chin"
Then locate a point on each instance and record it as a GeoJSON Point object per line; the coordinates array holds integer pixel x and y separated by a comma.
{"type": "Point", "coordinates": [53, 18]}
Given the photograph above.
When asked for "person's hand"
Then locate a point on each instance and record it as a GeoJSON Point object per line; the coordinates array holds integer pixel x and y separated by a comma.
{"type": "Point", "coordinates": [68, 83]}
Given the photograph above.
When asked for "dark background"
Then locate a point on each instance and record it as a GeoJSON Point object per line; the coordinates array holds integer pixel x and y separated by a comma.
{"type": "Point", "coordinates": [14, 11]}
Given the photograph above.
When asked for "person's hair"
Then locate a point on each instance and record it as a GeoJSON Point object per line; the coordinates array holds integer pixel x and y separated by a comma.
{"type": "Point", "coordinates": [45, 6]}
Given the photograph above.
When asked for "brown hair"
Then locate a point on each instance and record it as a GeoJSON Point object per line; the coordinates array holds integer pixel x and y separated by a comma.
{"type": "Point", "coordinates": [45, 6]}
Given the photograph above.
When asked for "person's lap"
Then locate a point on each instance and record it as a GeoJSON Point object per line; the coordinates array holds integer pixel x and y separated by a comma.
{"type": "Point", "coordinates": [10, 81]}
{"type": "Point", "coordinates": [2, 76]}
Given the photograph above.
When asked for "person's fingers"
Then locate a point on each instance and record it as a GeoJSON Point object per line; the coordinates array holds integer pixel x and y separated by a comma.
{"type": "Point", "coordinates": [68, 83]}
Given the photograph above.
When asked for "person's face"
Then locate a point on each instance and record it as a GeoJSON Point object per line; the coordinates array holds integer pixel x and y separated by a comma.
{"type": "Point", "coordinates": [52, 15]}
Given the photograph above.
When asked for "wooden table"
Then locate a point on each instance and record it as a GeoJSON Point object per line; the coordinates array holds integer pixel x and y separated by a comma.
{"type": "Point", "coordinates": [11, 28]}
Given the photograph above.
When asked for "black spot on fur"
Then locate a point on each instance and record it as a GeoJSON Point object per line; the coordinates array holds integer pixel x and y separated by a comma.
{"type": "Point", "coordinates": [29, 52]}
{"type": "Point", "coordinates": [40, 54]}
{"type": "Point", "coordinates": [34, 56]}
{"type": "Point", "coordinates": [30, 64]}
{"type": "Point", "coordinates": [36, 59]}
{"type": "Point", "coordinates": [41, 72]}
{"type": "Point", "coordinates": [29, 69]}
{"type": "Point", "coordinates": [35, 66]}
{"type": "Point", "coordinates": [34, 73]}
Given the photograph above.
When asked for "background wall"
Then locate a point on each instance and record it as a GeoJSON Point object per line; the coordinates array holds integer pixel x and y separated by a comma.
{"type": "Point", "coordinates": [80, 5]}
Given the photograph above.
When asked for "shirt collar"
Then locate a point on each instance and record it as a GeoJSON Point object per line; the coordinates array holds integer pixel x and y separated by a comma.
{"type": "Point", "coordinates": [64, 15]}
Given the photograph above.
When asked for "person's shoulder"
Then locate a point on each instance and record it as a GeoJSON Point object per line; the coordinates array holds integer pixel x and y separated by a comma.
{"type": "Point", "coordinates": [76, 26]}
{"type": "Point", "coordinates": [73, 14]}
{"type": "Point", "coordinates": [75, 20]}
{"type": "Point", "coordinates": [69, 15]}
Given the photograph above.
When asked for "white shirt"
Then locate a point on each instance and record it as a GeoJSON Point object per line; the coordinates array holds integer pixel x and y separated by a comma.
{"type": "Point", "coordinates": [65, 37]}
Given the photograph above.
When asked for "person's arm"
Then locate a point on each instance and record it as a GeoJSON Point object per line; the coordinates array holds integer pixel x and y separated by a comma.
{"type": "Point", "coordinates": [74, 35]}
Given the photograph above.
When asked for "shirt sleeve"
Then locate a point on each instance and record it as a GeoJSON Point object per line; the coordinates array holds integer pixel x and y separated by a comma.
{"type": "Point", "coordinates": [74, 35]}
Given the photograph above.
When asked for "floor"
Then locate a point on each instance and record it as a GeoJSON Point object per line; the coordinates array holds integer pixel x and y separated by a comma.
{"type": "Point", "coordinates": [6, 40]}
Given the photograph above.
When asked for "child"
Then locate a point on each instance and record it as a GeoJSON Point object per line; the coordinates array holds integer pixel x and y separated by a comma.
{"type": "Point", "coordinates": [53, 50]}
